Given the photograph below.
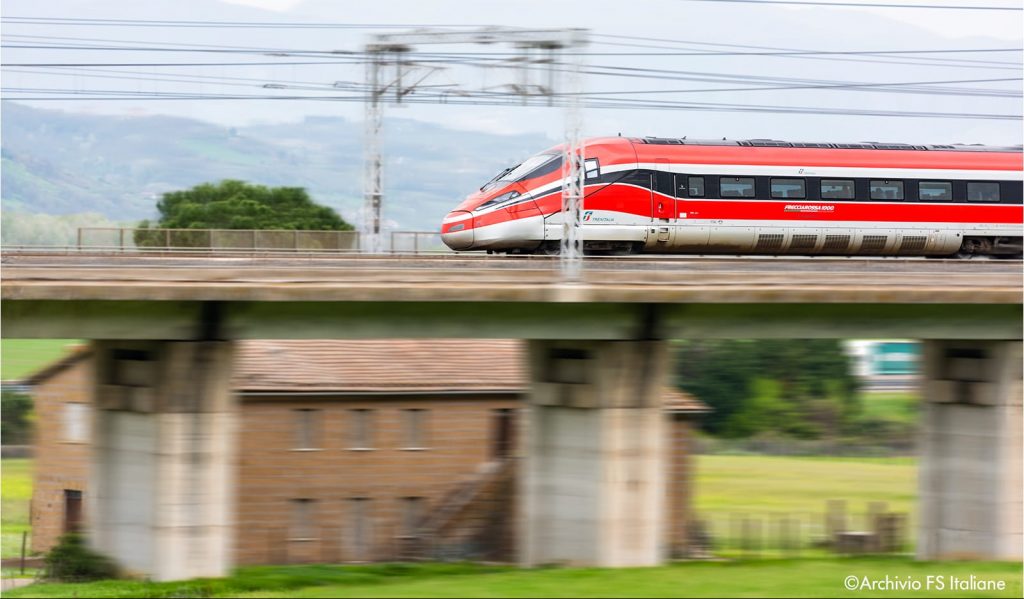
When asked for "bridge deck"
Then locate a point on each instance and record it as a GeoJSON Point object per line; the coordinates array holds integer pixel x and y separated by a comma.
{"type": "Point", "coordinates": [479, 278]}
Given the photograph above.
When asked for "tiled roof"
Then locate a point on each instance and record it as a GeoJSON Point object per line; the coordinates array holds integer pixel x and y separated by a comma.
{"type": "Point", "coordinates": [73, 354]}
{"type": "Point", "coordinates": [393, 365]}
{"type": "Point", "coordinates": [681, 401]}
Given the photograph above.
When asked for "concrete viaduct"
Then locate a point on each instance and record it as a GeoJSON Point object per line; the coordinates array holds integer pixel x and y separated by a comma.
{"type": "Point", "coordinates": [593, 472]}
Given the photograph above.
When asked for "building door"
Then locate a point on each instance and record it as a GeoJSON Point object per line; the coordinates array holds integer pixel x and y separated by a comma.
{"type": "Point", "coordinates": [72, 511]}
{"type": "Point", "coordinates": [504, 431]}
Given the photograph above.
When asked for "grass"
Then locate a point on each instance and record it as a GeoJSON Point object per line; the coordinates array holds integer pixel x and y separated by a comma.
{"type": "Point", "coordinates": [771, 578]}
{"type": "Point", "coordinates": [895, 406]}
{"type": "Point", "coordinates": [764, 503]}
{"type": "Point", "coordinates": [15, 494]}
{"type": "Point", "coordinates": [759, 484]}
{"type": "Point", "coordinates": [22, 357]}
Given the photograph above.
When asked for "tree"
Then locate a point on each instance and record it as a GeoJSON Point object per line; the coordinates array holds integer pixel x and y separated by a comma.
{"type": "Point", "coordinates": [233, 204]}
{"type": "Point", "coordinates": [800, 388]}
{"type": "Point", "coordinates": [15, 418]}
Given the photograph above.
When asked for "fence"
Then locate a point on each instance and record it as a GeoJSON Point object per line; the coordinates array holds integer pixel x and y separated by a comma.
{"type": "Point", "coordinates": [125, 239]}
{"type": "Point", "coordinates": [780, 534]}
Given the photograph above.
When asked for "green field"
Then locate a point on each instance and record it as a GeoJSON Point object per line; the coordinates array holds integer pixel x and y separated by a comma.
{"type": "Point", "coordinates": [765, 503]}
{"type": "Point", "coordinates": [771, 578]}
{"type": "Point", "coordinates": [22, 357]}
{"type": "Point", "coordinates": [15, 494]}
{"type": "Point", "coordinates": [782, 484]}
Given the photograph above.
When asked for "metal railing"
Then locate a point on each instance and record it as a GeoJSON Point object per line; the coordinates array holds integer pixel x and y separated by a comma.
{"type": "Point", "coordinates": [215, 239]}
{"type": "Point", "coordinates": [239, 241]}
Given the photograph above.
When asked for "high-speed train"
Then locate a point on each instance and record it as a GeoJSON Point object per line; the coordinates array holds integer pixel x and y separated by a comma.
{"type": "Point", "coordinates": [757, 196]}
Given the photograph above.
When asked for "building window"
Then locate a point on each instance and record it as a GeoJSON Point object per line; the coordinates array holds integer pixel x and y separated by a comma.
{"type": "Point", "coordinates": [789, 188]}
{"type": "Point", "coordinates": [695, 186]}
{"type": "Point", "coordinates": [504, 433]}
{"type": "Point", "coordinates": [72, 511]}
{"type": "Point", "coordinates": [414, 429]}
{"type": "Point", "coordinates": [412, 515]}
{"type": "Point", "coordinates": [837, 189]}
{"type": "Point", "coordinates": [935, 190]}
{"type": "Point", "coordinates": [360, 528]}
{"type": "Point", "coordinates": [307, 423]}
{"type": "Point", "coordinates": [737, 187]}
{"type": "Point", "coordinates": [76, 423]}
{"type": "Point", "coordinates": [887, 190]}
{"type": "Point", "coordinates": [983, 192]}
{"type": "Point", "coordinates": [361, 429]}
{"type": "Point", "coordinates": [303, 520]}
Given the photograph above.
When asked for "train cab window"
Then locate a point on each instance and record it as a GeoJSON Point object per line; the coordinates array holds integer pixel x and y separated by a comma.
{"type": "Point", "coordinates": [983, 192]}
{"type": "Point", "coordinates": [737, 187]}
{"type": "Point", "coordinates": [592, 168]}
{"type": "Point", "coordinates": [695, 187]}
{"type": "Point", "coordinates": [930, 191]}
{"type": "Point", "coordinates": [837, 189]}
{"type": "Point", "coordinates": [789, 188]}
{"type": "Point", "coordinates": [886, 190]}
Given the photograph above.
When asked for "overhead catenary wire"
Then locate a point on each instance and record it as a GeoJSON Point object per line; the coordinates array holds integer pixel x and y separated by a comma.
{"type": "Point", "coordinates": [503, 100]}
{"type": "Point", "coordinates": [907, 87]}
{"type": "Point", "coordinates": [867, 4]}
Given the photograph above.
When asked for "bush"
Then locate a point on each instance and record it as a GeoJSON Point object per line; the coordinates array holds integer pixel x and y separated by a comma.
{"type": "Point", "coordinates": [72, 561]}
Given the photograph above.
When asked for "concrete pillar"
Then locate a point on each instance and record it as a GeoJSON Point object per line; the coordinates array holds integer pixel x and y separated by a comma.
{"type": "Point", "coordinates": [593, 482]}
{"type": "Point", "coordinates": [970, 473]}
{"type": "Point", "coordinates": [162, 469]}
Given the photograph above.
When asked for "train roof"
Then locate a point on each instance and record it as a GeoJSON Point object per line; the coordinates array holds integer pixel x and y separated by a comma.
{"type": "Point", "coordinates": [864, 145]}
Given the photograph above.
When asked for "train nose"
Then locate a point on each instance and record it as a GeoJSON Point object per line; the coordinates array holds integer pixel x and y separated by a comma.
{"type": "Point", "coordinates": [457, 230]}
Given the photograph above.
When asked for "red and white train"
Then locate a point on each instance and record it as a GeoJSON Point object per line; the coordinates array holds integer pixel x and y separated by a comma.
{"type": "Point", "coordinates": [757, 197]}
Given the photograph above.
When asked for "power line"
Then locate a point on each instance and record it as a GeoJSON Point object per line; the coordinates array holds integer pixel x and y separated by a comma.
{"type": "Point", "coordinates": [887, 59]}
{"type": "Point", "coordinates": [865, 4]}
{"type": "Point", "coordinates": [217, 24]}
{"type": "Point", "coordinates": [906, 87]}
{"type": "Point", "coordinates": [505, 100]}
{"type": "Point", "coordinates": [414, 55]}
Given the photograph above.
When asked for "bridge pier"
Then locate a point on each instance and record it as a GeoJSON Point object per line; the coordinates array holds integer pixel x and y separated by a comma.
{"type": "Point", "coordinates": [970, 477]}
{"type": "Point", "coordinates": [593, 483]}
{"type": "Point", "coordinates": [162, 463]}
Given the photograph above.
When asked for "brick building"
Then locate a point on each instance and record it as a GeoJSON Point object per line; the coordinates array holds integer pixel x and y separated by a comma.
{"type": "Point", "coordinates": [350, 450]}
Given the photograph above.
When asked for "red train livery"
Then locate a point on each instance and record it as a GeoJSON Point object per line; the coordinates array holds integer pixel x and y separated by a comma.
{"type": "Point", "coordinates": [757, 197]}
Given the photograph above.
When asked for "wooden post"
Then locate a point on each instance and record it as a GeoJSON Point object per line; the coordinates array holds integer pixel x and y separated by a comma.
{"type": "Point", "coordinates": [24, 537]}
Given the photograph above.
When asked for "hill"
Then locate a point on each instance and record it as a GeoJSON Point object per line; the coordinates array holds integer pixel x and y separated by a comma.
{"type": "Point", "coordinates": [61, 163]}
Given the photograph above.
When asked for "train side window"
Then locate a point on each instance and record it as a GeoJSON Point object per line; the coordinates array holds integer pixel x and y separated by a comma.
{"type": "Point", "coordinates": [982, 192]}
{"type": "Point", "coordinates": [639, 178]}
{"type": "Point", "coordinates": [592, 168]}
{"type": "Point", "coordinates": [737, 187]}
{"type": "Point", "coordinates": [1011, 192]}
{"type": "Point", "coordinates": [789, 188]}
{"type": "Point", "coordinates": [664, 183]}
{"type": "Point", "coordinates": [886, 190]}
{"type": "Point", "coordinates": [695, 187]}
{"type": "Point", "coordinates": [837, 189]}
{"type": "Point", "coordinates": [931, 191]}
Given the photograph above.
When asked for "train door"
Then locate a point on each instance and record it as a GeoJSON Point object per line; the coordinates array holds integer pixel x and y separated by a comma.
{"type": "Point", "coordinates": [635, 197]}
{"type": "Point", "coordinates": [663, 200]}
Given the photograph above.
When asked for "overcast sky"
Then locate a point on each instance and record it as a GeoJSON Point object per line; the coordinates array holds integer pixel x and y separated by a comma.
{"type": "Point", "coordinates": [663, 26]}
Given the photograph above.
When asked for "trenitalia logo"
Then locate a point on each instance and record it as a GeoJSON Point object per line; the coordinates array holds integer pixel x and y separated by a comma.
{"type": "Point", "coordinates": [808, 208]}
{"type": "Point", "coordinates": [587, 215]}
